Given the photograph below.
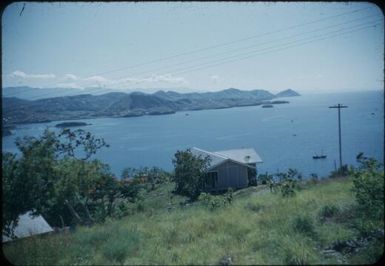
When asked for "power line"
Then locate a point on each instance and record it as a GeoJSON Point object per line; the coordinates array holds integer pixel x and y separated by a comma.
{"type": "Point", "coordinates": [250, 53]}
{"type": "Point", "coordinates": [269, 49]}
{"type": "Point", "coordinates": [228, 43]}
{"type": "Point", "coordinates": [244, 48]}
{"type": "Point", "coordinates": [337, 33]}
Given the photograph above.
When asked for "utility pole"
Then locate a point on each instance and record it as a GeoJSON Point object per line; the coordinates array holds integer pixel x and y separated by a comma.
{"type": "Point", "coordinates": [339, 106]}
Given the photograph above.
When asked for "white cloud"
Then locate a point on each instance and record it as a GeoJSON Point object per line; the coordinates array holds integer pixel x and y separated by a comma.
{"type": "Point", "coordinates": [73, 81]}
{"type": "Point", "coordinates": [23, 75]}
{"type": "Point", "coordinates": [70, 77]}
{"type": "Point", "coordinates": [99, 79]}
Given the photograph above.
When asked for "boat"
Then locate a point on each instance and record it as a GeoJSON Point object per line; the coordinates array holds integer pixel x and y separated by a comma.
{"type": "Point", "coordinates": [267, 106]}
{"type": "Point", "coordinates": [319, 156]}
{"type": "Point", "coordinates": [322, 156]}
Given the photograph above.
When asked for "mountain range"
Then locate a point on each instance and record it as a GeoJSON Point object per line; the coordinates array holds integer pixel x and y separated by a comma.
{"type": "Point", "coordinates": [120, 104]}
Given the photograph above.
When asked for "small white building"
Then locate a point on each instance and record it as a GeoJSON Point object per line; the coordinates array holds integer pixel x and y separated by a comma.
{"type": "Point", "coordinates": [229, 168]}
{"type": "Point", "coordinates": [29, 225]}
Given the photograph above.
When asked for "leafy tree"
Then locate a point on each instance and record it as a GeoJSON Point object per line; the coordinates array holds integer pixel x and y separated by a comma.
{"type": "Point", "coordinates": [51, 177]}
{"type": "Point", "coordinates": [190, 171]}
{"type": "Point", "coordinates": [368, 181]}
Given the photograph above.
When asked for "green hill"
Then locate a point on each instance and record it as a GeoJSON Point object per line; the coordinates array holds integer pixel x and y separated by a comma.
{"type": "Point", "coordinates": [319, 225]}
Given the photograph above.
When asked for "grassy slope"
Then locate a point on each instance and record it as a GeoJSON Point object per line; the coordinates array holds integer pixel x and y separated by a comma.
{"type": "Point", "coordinates": [258, 228]}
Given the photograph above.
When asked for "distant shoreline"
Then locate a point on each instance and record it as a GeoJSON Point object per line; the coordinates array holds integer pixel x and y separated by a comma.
{"type": "Point", "coordinates": [78, 124]}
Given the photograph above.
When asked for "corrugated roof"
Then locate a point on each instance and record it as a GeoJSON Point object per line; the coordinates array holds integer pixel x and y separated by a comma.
{"type": "Point", "coordinates": [244, 156]}
{"type": "Point", "coordinates": [247, 155]}
{"type": "Point", "coordinates": [29, 226]}
{"type": "Point", "coordinates": [214, 158]}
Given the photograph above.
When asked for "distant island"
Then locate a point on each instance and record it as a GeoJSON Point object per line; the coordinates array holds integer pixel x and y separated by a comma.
{"type": "Point", "coordinates": [71, 124]}
{"type": "Point", "coordinates": [287, 93]}
{"type": "Point", "coordinates": [120, 104]}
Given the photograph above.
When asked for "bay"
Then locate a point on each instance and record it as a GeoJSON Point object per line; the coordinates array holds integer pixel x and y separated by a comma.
{"type": "Point", "coordinates": [285, 136]}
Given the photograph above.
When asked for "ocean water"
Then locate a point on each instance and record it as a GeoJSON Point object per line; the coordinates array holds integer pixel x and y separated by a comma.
{"type": "Point", "coordinates": [286, 136]}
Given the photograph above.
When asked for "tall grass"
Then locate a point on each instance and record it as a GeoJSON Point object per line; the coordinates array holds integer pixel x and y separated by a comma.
{"type": "Point", "coordinates": [257, 228]}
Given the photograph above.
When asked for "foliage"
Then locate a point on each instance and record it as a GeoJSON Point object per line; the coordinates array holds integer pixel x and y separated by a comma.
{"type": "Point", "coordinates": [304, 224]}
{"type": "Point", "coordinates": [328, 211]}
{"type": "Point", "coordinates": [51, 180]}
{"type": "Point", "coordinates": [368, 181]}
{"type": "Point", "coordinates": [342, 171]}
{"type": "Point", "coordinates": [286, 184]}
{"type": "Point", "coordinates": [214, 202]}
{"type": "Point", "coordinates": [145, 177]}
{"type": "Point", "coordinates": [190, 171]}
{"type": "Point", "coordinates": [265, 178]}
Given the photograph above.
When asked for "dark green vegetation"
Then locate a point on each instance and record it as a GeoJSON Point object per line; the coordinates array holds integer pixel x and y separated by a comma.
{"type": "Point", "coordinates": [143, 220]}
{"type": "Point", "coordinates": [189, 175]}
{"type": "Point", "coordinates": [119, 104]}
{"type": "Point", "coordinates": [56, 178]}
{"type": "Point", "coordinates": [71, 124]}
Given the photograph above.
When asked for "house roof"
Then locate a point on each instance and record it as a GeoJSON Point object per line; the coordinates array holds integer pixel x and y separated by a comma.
{"type": "Point", "coordinates": [29, 225]}
{"type": "Point", "coordinates": [247, 155]}
{"type": "Point", "coordinates": [215, 159]}
{"type": "Point", "coordinates": [243, 156]}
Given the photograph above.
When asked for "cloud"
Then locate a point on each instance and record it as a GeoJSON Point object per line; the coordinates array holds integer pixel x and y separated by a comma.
{"type": "Point", "coordinates": [70, 77]}
{"type": "Point", "coordinates": [99, 79]}
{"type": "Point", "coordinates": [73, 81]}
{"type": "Point", "coordinates": [23, 75]}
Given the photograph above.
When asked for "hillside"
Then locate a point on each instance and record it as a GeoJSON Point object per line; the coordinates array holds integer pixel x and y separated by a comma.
{"type": "Point", "coordinates": [120, 104]}
{"type": "Point", "coordinates": [259, 227]}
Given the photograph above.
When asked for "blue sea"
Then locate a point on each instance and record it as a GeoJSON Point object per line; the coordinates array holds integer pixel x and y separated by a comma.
{"type": "Point", "coordinates": [286, 136]}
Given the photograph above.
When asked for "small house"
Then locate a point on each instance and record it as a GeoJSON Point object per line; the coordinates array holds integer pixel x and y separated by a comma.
{"type": "Point", "coordinates": [229, 168]}
{"type": "Point", "coordinates": [29, 225]}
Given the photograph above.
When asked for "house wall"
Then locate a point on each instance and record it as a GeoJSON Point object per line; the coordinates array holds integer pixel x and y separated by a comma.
{"type": "Point", "coordinates": [231, 174]}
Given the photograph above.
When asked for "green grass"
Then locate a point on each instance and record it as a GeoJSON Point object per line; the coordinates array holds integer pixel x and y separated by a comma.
{"type": "Point", "coordinates": [258, 228]}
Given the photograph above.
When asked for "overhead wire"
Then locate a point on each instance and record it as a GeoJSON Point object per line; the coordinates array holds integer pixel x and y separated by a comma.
{"type": "Point", "coordinates": [227, 44]}
{"type": "Point", "coordinates": [243, 48]}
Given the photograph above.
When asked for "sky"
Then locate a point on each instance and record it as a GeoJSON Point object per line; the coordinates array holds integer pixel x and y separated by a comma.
{"type": "Point", "coordinates": [194, 46]}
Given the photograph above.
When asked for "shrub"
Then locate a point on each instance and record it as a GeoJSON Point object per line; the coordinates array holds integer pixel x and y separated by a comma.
{"type": "Point", "coordinates": [287, 188]}
{"type": "Point", "coordinates": [368, 181]}
{"type": "Point", "coordinates": [264, 178]}
{"type": "Point", "coordinates": [304, 224]}
{"type": "Point", "coordinates": [215, 202]}
{"type": "Point", "coordinates": [328, 211]}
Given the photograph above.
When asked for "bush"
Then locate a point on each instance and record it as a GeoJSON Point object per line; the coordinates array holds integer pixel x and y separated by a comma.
{"type": "Point", "coordinates": [304, 224]}
{"type": "Point", "coordinates": [328, 211]}
{"type": "Point", "coordinates": [265, 178]}
{"type": "Point", "coordinates": [216, 202]}
{"type": "Point", "coordinates": [368, 181]}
